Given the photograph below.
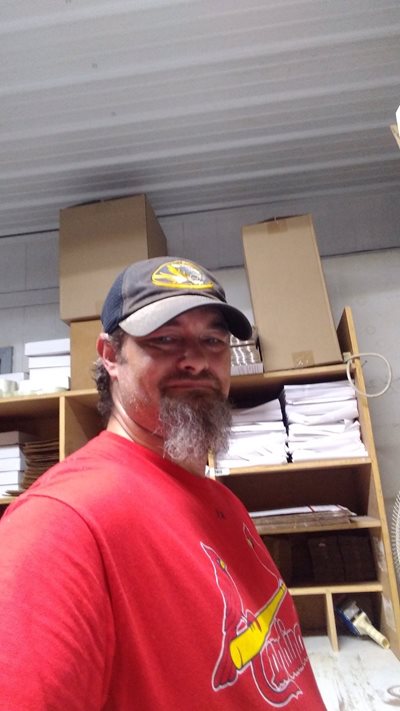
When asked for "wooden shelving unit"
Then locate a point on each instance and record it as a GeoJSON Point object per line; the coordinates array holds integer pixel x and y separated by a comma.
{"type": "Point", "coordinates": [70, 416]}
{"type": "Point", "coordinates": [355, 483]}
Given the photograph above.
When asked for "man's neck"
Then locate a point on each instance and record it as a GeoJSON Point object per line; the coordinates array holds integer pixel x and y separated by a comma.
{"type": "Point", "coordinates": [135, 433]}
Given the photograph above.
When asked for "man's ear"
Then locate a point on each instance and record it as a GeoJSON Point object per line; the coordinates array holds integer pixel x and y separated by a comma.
{"type": "Point", "coordinates": [107, 352]}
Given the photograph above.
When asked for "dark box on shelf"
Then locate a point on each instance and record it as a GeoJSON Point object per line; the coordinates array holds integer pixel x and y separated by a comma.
{"type": "Point", "coordinates": [280, 551]}
{"type": "Point", "coordinates": [357, 558]}
{"type": "Point", "coordinates": [326, 559]}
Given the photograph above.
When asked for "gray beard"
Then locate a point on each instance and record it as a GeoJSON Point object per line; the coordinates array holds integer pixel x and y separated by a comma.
{"type": "Point", "coordinates": [195, 425]}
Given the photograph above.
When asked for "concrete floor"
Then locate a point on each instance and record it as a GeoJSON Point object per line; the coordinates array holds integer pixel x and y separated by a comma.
{"type": "Point", "coordinates": [360, 677]}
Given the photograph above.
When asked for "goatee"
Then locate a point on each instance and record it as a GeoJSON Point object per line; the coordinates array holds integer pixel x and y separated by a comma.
{"type": "Point", "coordinates": [195, 425]}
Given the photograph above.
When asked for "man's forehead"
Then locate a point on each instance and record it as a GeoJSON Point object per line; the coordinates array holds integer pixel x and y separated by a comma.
{"type": "Point", "coordinates": [208, 316]}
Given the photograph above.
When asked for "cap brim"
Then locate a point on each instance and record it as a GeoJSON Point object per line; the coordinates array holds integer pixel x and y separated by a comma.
{"type": "Point", "coordinates": [151, 317]}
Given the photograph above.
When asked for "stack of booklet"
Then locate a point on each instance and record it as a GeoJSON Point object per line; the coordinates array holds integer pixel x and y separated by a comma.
{"type": "Point", "coordinates": [12, 466]}
{"type": "Point", "coordinates": [303, 516]}
{"type": "Point", "coordinates": [245, 355]}
{"type": "Point", "coordinates": [258, 437]}
{"type": "Point", "coordinates": [12, 460]}
{"type": "Point", "coordinates": [322, 420]}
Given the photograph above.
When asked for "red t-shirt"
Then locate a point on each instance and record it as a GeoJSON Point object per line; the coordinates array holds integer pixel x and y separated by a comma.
{"type": "Point", "coordinates": [129, 583]}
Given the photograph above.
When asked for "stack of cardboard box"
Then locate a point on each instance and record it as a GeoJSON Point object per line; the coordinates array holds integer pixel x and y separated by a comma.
{"type": "Point", "coordinates": [97, 241]}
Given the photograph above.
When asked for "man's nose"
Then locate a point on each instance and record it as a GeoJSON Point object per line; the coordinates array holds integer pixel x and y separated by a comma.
{"type": "Point", "coordinates": [193, 357]}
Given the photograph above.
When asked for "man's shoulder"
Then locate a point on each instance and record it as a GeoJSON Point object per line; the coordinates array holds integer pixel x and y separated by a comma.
{"type": "Point", "coordinates": [95, 471]}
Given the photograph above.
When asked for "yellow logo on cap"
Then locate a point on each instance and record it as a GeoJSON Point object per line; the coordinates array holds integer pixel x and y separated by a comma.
{"type": "Point", "coordinates": [180, 274]}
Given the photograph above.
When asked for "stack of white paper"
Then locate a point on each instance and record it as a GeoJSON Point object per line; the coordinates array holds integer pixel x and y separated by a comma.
{"type": "Point", "coordinates": [12, 466]}
{"type": "Point", "coordinates": [322, 421]}
{"type": "Point", "coordinates": [49, 364]}
{"type": "Point", "coordinates": [258, 437]}
{"type": "Point", "coordinates": [12, 443]}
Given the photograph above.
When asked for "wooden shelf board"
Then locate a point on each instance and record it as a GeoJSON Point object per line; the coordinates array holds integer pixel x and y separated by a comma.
{"type": "Point", "coordinates": [5, 500]}
{"type": "Point", "coordinates": [85, 397]}
{"type": "Point", "coordinates": [32, 404]}
{"type": "Point", "coordinates": [27, 405]}
{"type": "Point", "coordinates": [369, 586]}
{"type": "Point", "coordinates": [325, 372]}
{"type": "Point", "coordinates": [84, 392]}
{"type": "Point", "coordinates": [293, 467]}
{"type": "Point", "coordinates": [356, 522]}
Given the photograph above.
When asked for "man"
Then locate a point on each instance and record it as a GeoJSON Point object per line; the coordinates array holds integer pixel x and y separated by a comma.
{"type": "Point", "coordinates": [130, 580]}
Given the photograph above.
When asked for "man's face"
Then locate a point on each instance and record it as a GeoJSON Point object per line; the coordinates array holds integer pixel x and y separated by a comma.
{"type": "Point", "coordinates": [187, 359]}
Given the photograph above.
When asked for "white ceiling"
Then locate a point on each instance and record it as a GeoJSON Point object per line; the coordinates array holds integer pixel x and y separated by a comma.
{"type": "Point", "coordinates": [200, 104]}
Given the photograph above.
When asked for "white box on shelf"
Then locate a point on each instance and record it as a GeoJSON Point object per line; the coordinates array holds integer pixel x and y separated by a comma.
{"type": "Point", "coordinates": [50, 347]}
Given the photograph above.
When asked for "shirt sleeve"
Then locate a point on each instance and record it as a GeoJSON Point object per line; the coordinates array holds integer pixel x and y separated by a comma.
{"type": "Point", "coordinates": [56, 631]}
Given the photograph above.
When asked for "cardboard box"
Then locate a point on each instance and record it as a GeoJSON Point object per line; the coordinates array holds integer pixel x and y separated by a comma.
{"type": "Point", "coordinates": [288, 294]}
{"type": "Point", "coordinates": [83, 353]}
{"type": "Point", "coordinates": [97, 241]}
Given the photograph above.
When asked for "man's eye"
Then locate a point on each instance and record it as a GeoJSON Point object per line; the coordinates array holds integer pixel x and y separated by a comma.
{"type": "Point", "coordinates": [166, 340]}
{"type": "Point", "coordinates": [216, 341]}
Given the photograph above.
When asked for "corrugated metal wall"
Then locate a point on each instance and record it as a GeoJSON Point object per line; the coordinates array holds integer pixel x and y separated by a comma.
{"type": "Point", "coordinates": [201, 104]}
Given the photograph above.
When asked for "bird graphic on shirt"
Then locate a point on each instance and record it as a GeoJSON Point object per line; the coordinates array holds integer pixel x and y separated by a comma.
{"type": "Point", "coordinates": [248, 641]}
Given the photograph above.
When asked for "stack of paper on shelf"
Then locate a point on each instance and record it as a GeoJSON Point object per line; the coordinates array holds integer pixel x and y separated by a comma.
{"type": "Point", "coordinates": [322, 421]}
{"type": "Point", "coordinates": [49, 364]}
{"type": "Point", "coordinates": [12, 465]}
{"type": "Point", "coordinates": [257, 437]}
{"type": "Point", "coordinates": [303, 516]}
{"type": "Point", "coordinates": [12, 460]}
{"type": "Point", "coordinates": [245, 355]}
{"type": "Point", "coordinates": [39, 456]}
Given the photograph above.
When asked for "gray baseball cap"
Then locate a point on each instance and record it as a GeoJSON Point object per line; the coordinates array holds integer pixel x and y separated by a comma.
{"type": "Point", "coordinates": [149, 293]}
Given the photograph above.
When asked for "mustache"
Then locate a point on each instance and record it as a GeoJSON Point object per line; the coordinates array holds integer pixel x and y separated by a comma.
{"type": "Point", "coordinates": [185, 377]}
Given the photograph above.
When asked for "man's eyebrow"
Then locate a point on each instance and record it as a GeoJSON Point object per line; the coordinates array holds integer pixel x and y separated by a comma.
{"type": "Point", "coordinates": [220, 323]}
